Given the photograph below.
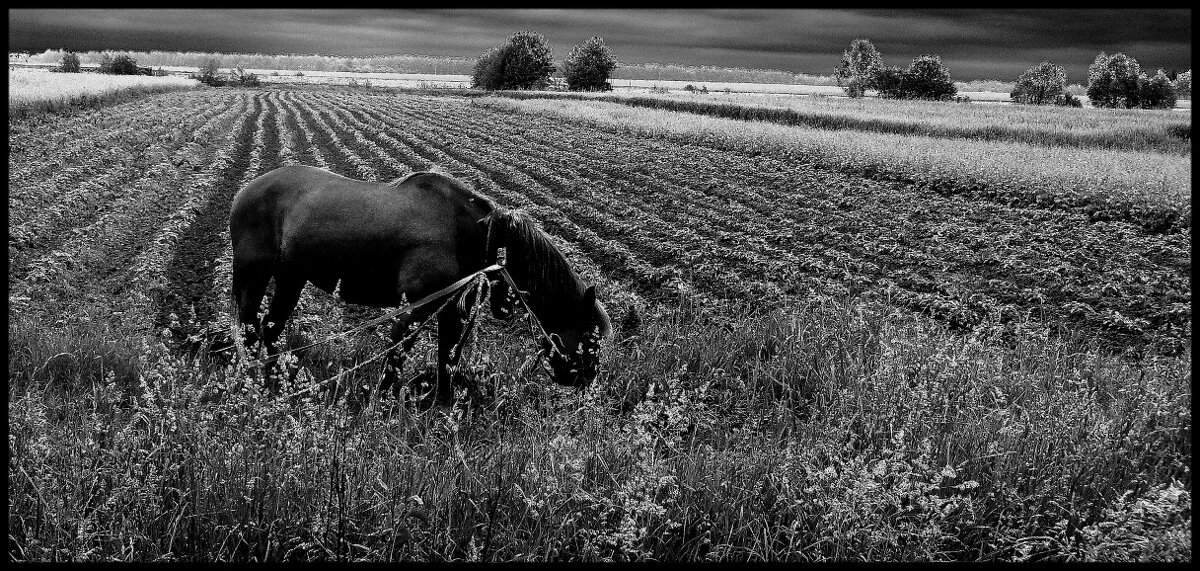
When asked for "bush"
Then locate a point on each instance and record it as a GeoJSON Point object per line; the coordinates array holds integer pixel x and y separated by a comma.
{"type": "Point", "coordinates": [1156, 92]}
{"type": "Point", "coordinates": [859, 66]}
{"type": "Point", "coordinates": [589, 66]}
{"type": "Point", "coordinates": [1113, 81]}
{"type": "Point", "coordinates": [1041, 84]}
{"type": "Point", "coordinates": [209, 73]}
{"type": "Point", "coordinates": [70, 63]}
{"type": "Point", "coordinates": [119, 65]}
{"type": "Point", "coordinates": [243, 78]}
{"type": "Point", "coordinates": [1066, 99]}
{"type": "Point", "coordinates": [927, 78]}
{"type": "Point", "coordinates": [523, 61]}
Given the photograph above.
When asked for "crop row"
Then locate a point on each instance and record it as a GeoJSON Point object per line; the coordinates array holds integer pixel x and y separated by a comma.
{"type": "Point", "coordinates": [1150, 189]}
{"type": "Point", "coordinates": [640, 214]}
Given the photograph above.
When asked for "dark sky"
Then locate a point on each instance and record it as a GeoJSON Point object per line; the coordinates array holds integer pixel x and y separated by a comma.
{"type": "Point", "coordinates": [974, 44]}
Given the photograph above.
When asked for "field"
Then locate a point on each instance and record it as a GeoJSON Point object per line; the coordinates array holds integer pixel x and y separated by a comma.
{"type": "Point", "coordinates": [34, 92]}
{"type": "Point", "coordinates": [831, 343]}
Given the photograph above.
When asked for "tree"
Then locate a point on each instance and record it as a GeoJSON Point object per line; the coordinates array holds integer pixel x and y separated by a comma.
{"type": "Point", "coordinates": [1113, 81]}
{"type": "Point", "coordinates": [589, 66]}
{"type": "Point", "coordinates": [860, 64]}
{"type": "Point", "coordinates": [523, 61]}
{"type": "Point", "coordinates": [70, 63]}
{"type": "Point", "coordinates": [1156, 92]}
{"type": "Point", "coordinates": [1183, 85]}
{"type": "Point", "coordinates": [927, 78]}
{"type": "Point", "coordinates": [889, 81]}
{"type": "Point", "coordinates": [1041, 84]}
{"type": "Point", "coordinates": [122, 64]}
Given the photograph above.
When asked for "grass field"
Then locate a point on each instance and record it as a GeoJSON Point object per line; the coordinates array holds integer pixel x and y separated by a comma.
{"type": "Point", "coordinates": [814, 359]}
{"type": "Point", "coordinates": [35, 92]}
{"type": "Point", "coordinates": [1133, 129]}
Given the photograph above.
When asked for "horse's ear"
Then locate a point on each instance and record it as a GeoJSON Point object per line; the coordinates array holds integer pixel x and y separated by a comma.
{"type": "Point", "coordinates": [589, 296]}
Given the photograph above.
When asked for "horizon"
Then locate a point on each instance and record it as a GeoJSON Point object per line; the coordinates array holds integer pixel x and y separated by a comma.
{"type": "Point", "coordinates": [973, 44]}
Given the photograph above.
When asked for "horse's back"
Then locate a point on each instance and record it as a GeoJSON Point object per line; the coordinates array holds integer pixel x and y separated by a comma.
{"type": "Point", "coordinates": [328, 227]}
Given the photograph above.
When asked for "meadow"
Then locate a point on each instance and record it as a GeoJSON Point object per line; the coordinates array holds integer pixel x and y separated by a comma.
{"type": "Point", "coordinates": [830, 344]}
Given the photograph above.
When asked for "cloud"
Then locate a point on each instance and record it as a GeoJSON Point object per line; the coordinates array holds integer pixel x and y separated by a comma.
{"type": "Point", "coordinates": [974, 43]}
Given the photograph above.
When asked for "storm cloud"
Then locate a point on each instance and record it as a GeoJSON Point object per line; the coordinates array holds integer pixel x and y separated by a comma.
{"type": "Point", "coordinates": [974, 44]}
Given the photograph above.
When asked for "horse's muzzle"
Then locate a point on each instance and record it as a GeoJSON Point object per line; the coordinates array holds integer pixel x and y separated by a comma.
{"type": "Point", "coordinates": [572, 370]}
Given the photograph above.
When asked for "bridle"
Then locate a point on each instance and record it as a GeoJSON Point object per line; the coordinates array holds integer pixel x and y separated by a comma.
{"type": "Point", "coordinates": [580, 361]}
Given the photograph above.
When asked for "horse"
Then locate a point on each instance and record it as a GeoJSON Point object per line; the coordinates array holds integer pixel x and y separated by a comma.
{"type": "Point", "coordinates": [381, 243]}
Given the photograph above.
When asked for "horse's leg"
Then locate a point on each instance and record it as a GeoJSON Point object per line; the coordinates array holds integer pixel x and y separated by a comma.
{"type": "Point", "coordinates": [452, 335]}
{"type": "Point", "coordinates": [398, 354]}
{"type": "Point", "coordinates": [249, 286]}
{"type": "Point", "coordinates": [287, 293]}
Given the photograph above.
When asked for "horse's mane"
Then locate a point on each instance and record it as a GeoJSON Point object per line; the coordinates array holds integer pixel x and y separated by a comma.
{"type": "Point", "coordinates": [433, 168]}
{"type": "Point", "coordinates": [549, 277]}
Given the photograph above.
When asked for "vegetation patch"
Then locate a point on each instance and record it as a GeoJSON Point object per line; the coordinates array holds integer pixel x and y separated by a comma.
{"type": "Point", "coordinates": [35, 93]}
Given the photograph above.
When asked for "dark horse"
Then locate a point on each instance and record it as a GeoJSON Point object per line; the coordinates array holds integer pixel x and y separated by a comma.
{"type": "Point", "coordinates": [410, 238]}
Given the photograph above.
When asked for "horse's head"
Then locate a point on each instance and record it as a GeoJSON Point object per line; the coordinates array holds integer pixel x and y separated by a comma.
{"type": "Point", "coordinates": [574, 353]}
{"type": "Point", "coordinates": [573, 321]}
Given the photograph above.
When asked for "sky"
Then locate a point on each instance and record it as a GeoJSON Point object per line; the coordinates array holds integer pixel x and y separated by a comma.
{"type": "Point", "coordinates": [974, 44]}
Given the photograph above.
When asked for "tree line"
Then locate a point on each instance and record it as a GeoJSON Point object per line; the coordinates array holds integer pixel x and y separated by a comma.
{"type": "Point", "coordinates": [524, 61]}
{"type": "Point", "coordinates": [120, 64]}
{"type": "Point", "coordinates": [1113, 81]}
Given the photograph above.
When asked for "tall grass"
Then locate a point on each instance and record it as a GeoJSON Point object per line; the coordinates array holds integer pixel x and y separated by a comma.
{"type": "Point", "coordinates": [1164, 131]}
{"type": "Point", "coordinates": [829, 430]}
{"type": "Point", "coordinates": [32, 93]}
{"type": "Point", "coordinates": [1148, 188]}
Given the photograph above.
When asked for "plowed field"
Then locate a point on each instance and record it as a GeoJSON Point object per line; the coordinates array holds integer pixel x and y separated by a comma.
{"type": "Point", "coordinates": [810, 362]}
{"type": "Point", "coordinates": [129, 209]}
